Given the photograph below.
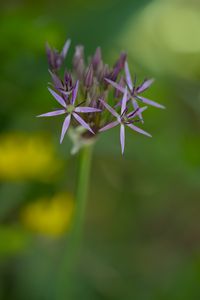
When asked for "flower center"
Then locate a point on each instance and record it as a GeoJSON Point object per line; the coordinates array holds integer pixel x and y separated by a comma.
{"type": "Point", "coordinates": [70, 108]}
{"type": "Point", "coordinates": [124, 120]}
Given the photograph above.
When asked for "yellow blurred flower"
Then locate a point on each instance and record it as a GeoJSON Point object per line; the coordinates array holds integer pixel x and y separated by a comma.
{"type": "Point", "coordinates": [24, 156]}
{"type": "Point", "coordinates": [49, 216]}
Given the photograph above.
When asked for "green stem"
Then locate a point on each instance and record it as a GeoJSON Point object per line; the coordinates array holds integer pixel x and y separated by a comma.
{"type": "Point", "coordinates": [74, 241]}
{"type": "Point", "coordinates": [82, 188]}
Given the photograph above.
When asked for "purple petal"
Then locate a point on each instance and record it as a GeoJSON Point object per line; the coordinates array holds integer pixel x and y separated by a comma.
{"type": "Point", "coordinates": [139, 130]}
{"type": "Point", "coordinates": [65, 48]}
{"type": "Point", "coordinates": [121, 83]}
{"type": "Point", "coordinates": [150, 102]}
{"type": "Point", "coordinates": [137, 112]}
{"type": "Point", "coordinates": [120, 62]}
{"type": "Point", "coordinates": [74, 92]}
{"type": "Point", "coordinates": [53, 113]}
{"type": "Point", "coordinates": [79, 109]}
{"type": "Point", "coordinates": [136, 106]}
{"type": "Point", "coordinates": [115, 85]}
{"type": "Point", "coordinates": [109, 126]}
{"type": "Point", "coordinates": [96, 58]}
{"type": "Point", "coordinates": [65, 93]}
{"type": "Point", "coordinates": [82, 122]}
{"type": "Point", "coordinates": [65, 127]}
{"type": "Point", "coordinates": [120, 102]}
{"type": "Point", "coordinates": [128, 76]}
{"type": "Point", "coordinates": [124, 100]}
{"type": "Point", "coordinates": [109, 108]}
{"type": "Point", "coordinates": [56, 80]}
{"type": "Point", "coordinates": [145, 85]}
{"type": "Point", "coordinates": [89, 76]}
{"type": "Point", "coordinates": [122, 137]}
{"type": "Point", "coordinates": [57, 97]}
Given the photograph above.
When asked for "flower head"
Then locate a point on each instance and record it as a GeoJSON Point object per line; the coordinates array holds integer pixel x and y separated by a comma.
{"type": "Point", "coordinates": [85, 98]}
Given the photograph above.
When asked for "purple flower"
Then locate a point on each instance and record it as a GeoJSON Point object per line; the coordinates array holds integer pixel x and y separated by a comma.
{"type": "Point", "coordinates": [56, 59]}
{"type": "Point", "coordinates": [70, 110]}
{"type": "Point", "coordinates": [93, 77]}
{"type": "Point", "coordinates": [124, 119]}
{"type": "Point", "coordinates": [134, 92]}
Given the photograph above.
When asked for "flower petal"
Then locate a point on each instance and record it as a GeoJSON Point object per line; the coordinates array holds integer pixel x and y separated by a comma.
{"type": "Point", "coordinates": [137, 112]}
{"type": "Point", "coordinates": [109, 108]}
{"type": "Point", "coordinates": [122, 137]}
{"type": "Point", "coordinates": [53, 113]}
{"type": "Point", "coordinates": [150, 102]}
{"type": "Point", "coordinates": [65, 127]}
{"type": "Point", "coordinates": [135, 106]}
{"type": "Point", "coordinates": [57, 97]}
{"type": "Point", "coordinates": [65, 93]}
{"type": "Point", "coordinates": [115, 85]}
{"type": "Point", "coordinates": [109, 126]}
{"type": "Point", "coordinates": [139, 130]}
{"type": "Point", "coordinates": [145, 85]}
{"type": "Point", "coordinates": [124, 100]}
{"type": "Point", "coordinates": [80, 109]}
{"type": "Point", "coordinates": [82, 122]}
{"type": "Point", "coordinates": [74, 92]}
{"type": "Point", "coordinates": [56, 80]}
{"type": "Point", "coordinates": [128, 76]}
{"type": "Point", "coordinates": [65, 48]}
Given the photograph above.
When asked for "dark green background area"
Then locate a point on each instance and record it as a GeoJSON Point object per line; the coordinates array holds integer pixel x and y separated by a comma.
{"type": "Point", "coordinates": [142, 232]}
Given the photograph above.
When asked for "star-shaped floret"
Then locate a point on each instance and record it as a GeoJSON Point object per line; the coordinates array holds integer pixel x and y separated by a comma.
{"type": "Point", "coordinates": [71, 110]}
{"type": "Point", "coordinates": [135, 91]}
{"type": "Point", "coordinates": [124, 119]}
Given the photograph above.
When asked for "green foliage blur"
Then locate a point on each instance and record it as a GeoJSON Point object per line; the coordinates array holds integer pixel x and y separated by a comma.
{"type": "Point", "coordinates": [142, 231]}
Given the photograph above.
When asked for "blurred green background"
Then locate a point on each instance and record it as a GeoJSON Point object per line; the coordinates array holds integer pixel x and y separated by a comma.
{"type": "Point", "coordinates": [142, 231]}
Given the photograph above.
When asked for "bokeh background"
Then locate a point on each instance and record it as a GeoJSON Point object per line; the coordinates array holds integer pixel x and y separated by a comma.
{"type": "Point", "coordinates": [142, 229]}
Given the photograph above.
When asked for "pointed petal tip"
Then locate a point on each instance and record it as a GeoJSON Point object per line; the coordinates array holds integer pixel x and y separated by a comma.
{"type": "Point", "coordinates": [61, 140]}
{"type": "Point", "coordinates": [160, 106]}
{"type": "Point", "coordinates": [147, 134]}
{"type": "Point", "coordinates": [66, 48]}
{"type": "Point", "coordinates": [150, 102]}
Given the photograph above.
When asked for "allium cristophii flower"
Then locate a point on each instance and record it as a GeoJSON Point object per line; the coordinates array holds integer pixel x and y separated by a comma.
{"type": "Point", "coordinates": [70, 109]}
{"type": "Point", "coordinates": [85, 97]}
{"type": "Point", "coordinates": [124, 119]}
